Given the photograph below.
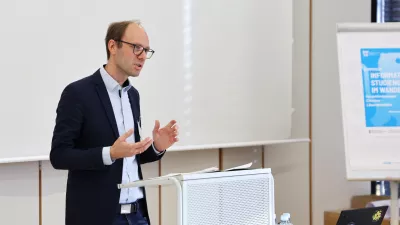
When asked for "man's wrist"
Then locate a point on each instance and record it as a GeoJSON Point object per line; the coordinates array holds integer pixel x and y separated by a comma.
{"type": "Point", "coordinates": [156, 150]}
{"type": "Point", "coordinates": [107, 160]}
{"type": "Point", "coordinates": [112, 153]}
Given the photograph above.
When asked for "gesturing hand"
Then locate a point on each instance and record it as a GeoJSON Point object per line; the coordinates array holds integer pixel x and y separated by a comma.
{"type": "Point", "coordinates": [166, 136]}
{"type": "Point", "coordinates": [121, 148]}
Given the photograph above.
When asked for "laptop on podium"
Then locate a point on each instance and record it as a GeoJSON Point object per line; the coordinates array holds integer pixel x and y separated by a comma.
{"type": "Point", "coordinates": [363, 216]}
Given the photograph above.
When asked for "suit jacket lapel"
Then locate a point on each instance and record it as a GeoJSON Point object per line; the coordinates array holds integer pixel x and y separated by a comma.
{"type": "Point", "coordinates": [132, 101]}
{"type": "Point", "coordinates": [105, 100]}
{"type": "Point", "coordinates": [136, 118]}
{"type": "Point", "coordinates": [135, 113]}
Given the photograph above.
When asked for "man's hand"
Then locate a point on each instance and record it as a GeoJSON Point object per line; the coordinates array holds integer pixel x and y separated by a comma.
{"type": "Point", "coordinates": [166, 136]}
{"type": "Point", "coordinates": [121, 148]}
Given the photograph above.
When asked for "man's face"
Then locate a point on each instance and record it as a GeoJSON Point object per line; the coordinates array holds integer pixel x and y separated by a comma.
{"type": "Point", "coordinates": [126, 58]}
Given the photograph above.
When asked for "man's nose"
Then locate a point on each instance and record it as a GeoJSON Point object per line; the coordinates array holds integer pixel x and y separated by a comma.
{"type": "Point", "coordinates": [142, 56]}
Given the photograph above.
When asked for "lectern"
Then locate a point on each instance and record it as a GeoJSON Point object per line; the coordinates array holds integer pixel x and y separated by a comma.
{"type": "Point", "coordinates": [243, 197]}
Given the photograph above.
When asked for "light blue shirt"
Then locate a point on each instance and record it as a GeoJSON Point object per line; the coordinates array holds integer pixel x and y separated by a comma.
{"type": "Point", "coordinates": [124, 119]}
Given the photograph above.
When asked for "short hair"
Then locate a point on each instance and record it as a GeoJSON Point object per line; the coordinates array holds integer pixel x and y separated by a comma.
{"type": "Point", "coordinates": [116, 31]}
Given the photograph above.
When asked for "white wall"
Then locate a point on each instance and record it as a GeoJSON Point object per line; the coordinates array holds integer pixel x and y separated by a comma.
{"type": "Point", "coordinates": [19, 191]}
{"type": "Point", "coordinates": [290, 163]}
{"type": "Point", "coordinates": [331, 190]}
{"type": "Point", "coordinates": [53, 194]}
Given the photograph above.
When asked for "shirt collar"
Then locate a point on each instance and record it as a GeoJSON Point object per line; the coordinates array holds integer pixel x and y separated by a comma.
{"type": "Point", "coordinates": [111, 84]}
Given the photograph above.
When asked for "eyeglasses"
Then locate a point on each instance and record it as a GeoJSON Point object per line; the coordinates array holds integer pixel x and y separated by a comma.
{"type": "Point", "coordinates": [138, 50]}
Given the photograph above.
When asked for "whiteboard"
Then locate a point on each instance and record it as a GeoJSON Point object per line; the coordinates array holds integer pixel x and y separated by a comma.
{"type": "Point", "coordinates": [222, 68]}
{"type": "Point", "coordinates": [369, 65]}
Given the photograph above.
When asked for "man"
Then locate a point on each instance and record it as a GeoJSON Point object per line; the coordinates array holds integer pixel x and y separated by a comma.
{"type": "Point", "coordinates": [97, 139]}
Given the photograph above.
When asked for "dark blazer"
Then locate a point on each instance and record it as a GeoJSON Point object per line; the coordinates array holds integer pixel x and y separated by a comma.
{"type": "Point", "coordinates": [85, 123]}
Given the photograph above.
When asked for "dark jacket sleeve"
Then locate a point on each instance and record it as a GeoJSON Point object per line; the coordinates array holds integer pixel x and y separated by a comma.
{"type": "Point", "coordinates": [69, 121]}
{"type": "Point", "coordinates": [150, 155]}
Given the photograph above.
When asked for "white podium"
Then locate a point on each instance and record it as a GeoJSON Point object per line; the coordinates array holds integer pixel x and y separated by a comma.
{"type": "Point", "coordinates": [243, 197]}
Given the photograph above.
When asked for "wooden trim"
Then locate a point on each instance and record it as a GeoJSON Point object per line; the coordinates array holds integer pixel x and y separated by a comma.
{"type": "Point", "coordinates": [220, 159]}
{"type": "Point", "coordinates": [310, 69]}
{"type": "Point", "coordinates": [262, 156]}
{"type": "Point", "coordinates": [159, 195]}
{"type": "Point", "coordinates": [40, 192]}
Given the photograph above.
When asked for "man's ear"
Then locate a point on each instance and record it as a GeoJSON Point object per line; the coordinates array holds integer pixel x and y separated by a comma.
{"type": "Point", "coordinates": [112, 46]}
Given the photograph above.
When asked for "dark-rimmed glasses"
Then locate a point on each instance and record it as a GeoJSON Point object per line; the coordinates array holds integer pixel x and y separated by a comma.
{"type": "Point", "coordinates": [138, 50]}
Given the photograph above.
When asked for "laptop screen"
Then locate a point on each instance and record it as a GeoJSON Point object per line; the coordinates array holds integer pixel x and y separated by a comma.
{"type": "Point", "coordinates": [363, 216]}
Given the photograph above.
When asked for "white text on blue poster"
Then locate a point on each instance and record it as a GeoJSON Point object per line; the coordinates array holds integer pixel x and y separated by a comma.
{"type": "Point", "coordinates": [381, 83]}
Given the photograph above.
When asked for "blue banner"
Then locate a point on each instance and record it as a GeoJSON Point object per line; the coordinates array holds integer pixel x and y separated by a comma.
{"type": "Point", "coordinates": [381, 83]}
